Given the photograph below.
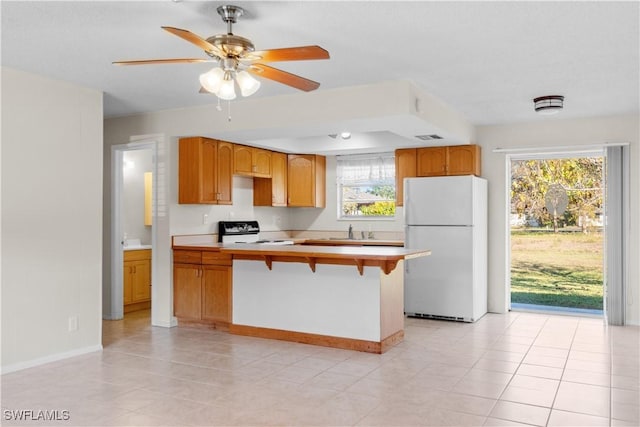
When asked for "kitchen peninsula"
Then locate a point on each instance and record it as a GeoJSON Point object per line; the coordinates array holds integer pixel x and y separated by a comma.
{"type": "Point", "coordinates": [338, 296]}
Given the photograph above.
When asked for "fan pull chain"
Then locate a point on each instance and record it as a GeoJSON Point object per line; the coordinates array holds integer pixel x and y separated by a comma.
{"type": "Point", "coordinates": [218, 107]}
{"type": "Point", "coordinates": [229, 110]}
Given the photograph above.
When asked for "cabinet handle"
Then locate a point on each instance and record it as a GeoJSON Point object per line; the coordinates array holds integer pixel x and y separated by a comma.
{"type": "Point", "coordinates": [254, 168]}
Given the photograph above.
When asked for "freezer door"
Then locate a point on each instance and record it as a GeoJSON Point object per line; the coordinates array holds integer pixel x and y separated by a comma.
{"type": "Point", "coordinates": [440, 284]}
{"type": "Point", "coordinates": [439, 200]}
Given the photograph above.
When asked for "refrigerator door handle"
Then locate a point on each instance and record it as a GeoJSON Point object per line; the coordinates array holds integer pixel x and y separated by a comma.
{"type": "Point", "coordinates": [408, 246]}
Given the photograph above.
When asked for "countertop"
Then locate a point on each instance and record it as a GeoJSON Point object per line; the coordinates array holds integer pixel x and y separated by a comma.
{"type": "Point", "coordinates": [353, 242]}
{"type": "Point", "coordinates": [216, 246]}
{"type": "Point", "coordinates": [385, 257]}
{"type": "Point", "coordinates": [136, 248]}
{"type": "Point", "coordinates": [360, 252]}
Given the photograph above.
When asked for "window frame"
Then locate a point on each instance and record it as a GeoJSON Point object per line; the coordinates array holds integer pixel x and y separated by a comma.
{"type": "Point", "coordinates": [340, 184]}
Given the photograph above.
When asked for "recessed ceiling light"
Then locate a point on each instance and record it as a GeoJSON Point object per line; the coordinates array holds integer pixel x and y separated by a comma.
{"type": "Point", "coordinates": [345, 135]}
{"type": "Point", "coordinates": [550, 104]}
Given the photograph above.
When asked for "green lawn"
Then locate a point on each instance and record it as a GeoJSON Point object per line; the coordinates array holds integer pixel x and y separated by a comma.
{"type": "Point", "coordinates": [562, 269]}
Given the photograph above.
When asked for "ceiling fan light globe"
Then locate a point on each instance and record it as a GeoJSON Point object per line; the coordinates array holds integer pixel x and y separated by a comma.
{"type": "Point", "coordinates": [212, 80]}
{"type": "Point", "coordinates": [227, 90]}
{"type": "Point", "coordinates": [248, 85]}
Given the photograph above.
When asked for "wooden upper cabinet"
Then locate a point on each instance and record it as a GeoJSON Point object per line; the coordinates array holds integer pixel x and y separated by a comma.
{"type": "Point", "coordinates": [205, 169]}
{"type": "Point", "coordinates": [224, 176]}
{"type": "Point", "coordinates": [449, 160]}
{"type": "Point", "coordinates": [272, 191]}
{"type": "Point", "coordinates": [251, 161]}
{"type": "Point", "coordinates": [306, 180]}
{"type": "Point", "coordinates": [262, 163]}
{"type": "Point", "coordinates": [432, 161]}
{"type": "Point", "coordinates": [463, 160]}
{"type": "Point", "coordinates": [405, 168]}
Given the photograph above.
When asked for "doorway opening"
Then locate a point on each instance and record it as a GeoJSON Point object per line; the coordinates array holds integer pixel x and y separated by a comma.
{"type": "Point", "coordinates": [557, 233]}
{"type": "Point", "coordinates": [133, 228]}
{"type": "Point", "coordinates": [136, 222]}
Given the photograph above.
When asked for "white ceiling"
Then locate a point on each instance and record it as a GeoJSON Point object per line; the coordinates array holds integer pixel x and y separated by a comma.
{"type": "Point", "coordinates": [487, 60]}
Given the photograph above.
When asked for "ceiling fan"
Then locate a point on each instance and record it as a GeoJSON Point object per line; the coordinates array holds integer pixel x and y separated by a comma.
{"type": "Point", "coordinates": [237, 60]}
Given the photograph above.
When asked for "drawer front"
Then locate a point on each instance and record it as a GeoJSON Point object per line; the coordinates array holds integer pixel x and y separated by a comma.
{"type": "Point", "coordinates": [137, 255]}
{"type": "Point", "coordinates": [216, 258]}
{"type": "Point", "coordinates": [187, 257]}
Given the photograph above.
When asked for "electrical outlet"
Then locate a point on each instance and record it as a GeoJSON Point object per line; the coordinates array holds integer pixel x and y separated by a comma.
{"type": "Point", "coordinates": [73, 323]}
{"type": "Point", "coordinates": [205, 219]}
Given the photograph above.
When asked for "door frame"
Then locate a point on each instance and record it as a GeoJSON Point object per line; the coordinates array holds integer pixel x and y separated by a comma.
{"type": "Point", "coordinates": [117, 183]}
{"type": "Point", "coordinates": [564, 153]}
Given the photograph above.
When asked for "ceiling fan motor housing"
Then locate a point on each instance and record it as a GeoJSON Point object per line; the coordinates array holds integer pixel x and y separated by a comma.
{"type": "Point", "coordinates": [231, 45]}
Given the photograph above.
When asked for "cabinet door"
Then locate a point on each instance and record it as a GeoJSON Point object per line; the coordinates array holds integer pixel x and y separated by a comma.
{"type": "Point", "coordinates": [216, 293]}
{"type": "Point", "coordinates": [432, 161]}
{"type": "Point", "coordinates": [242, 160]}
{"type": "Point", "coordinates": [406, 162]}
{"type": "Point", "coordinates": [306, 176]}
{"type": "Point", "coordinates": [208, 179]}
{"type": "Point", "coordinates": [127, 285]}
{"type": "Point", "coordinates": [141, 282]}
{"type": "Point", "coordinates": [189, 170]}
{"type": "Point", "coordinates": [301, 180]}
{"type": "Point", "coordinates": [463, 160]}
{"type": "Point", "coordinates": [272, 191]}
{"type": "Point", "coordinates": [224, 173]}
{"type": "Point", "coordinates": [261, 163]}
{"type": "Point", "coordinates": [187, 298]}
{"type": "Point", "coordinates": [279, 179]}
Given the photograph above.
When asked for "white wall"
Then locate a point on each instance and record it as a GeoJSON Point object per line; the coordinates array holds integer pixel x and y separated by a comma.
{"type": "Point", "coordinates": [51, 219]}
{"type": "Point", "coordinates": [136, 163]}
{"type": "Point", "coordinates": [554, 133]}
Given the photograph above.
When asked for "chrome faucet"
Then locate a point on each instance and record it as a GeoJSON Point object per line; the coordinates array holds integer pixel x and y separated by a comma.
{"type": "Point", "coordinates": [350, 231]}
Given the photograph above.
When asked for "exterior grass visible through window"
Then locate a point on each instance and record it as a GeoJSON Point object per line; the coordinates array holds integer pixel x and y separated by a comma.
{"type": "Point", "coordinates": [366, 186]}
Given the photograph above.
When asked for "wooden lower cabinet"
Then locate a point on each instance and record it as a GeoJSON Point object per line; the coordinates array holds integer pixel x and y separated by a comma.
{"type": "Point", "coordinates": [136, 284]}
{"type": "Point", "coordinates": [202, 288]}
{"type": "Point", "coordinates": [187, 298]}
{"type": "Point", "coordinates": [216, 293]}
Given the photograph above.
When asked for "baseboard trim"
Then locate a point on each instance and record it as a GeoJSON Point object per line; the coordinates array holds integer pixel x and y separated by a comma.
{"type": "Point", "coordinates": [173, 322]}
{"type": "Point", "coordinates": [51, 358]}
{"type": "Point", "coordinates": [316, 339]}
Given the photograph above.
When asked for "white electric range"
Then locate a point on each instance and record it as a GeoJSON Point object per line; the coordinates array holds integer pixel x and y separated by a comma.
{"type": "Point", "coordinates": [244, 232]}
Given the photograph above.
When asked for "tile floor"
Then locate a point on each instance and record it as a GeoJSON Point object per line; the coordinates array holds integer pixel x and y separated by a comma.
{"type": "Point", "coordinates": [513, 369]}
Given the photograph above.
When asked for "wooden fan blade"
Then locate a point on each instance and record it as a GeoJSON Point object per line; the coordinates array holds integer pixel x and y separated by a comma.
{"type": "Point", "coordinates": [195, 39]}
{"type": "Point", "coordinates": [162, 61]}
{"type": "Point", "coordinates": [300, 53]}
{"type": "Point", "coordinates": [283, 77]}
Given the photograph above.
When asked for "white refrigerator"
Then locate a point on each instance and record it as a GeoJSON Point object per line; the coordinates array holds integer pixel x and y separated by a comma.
{"type": "Point", "coordinates": [447, 215]}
